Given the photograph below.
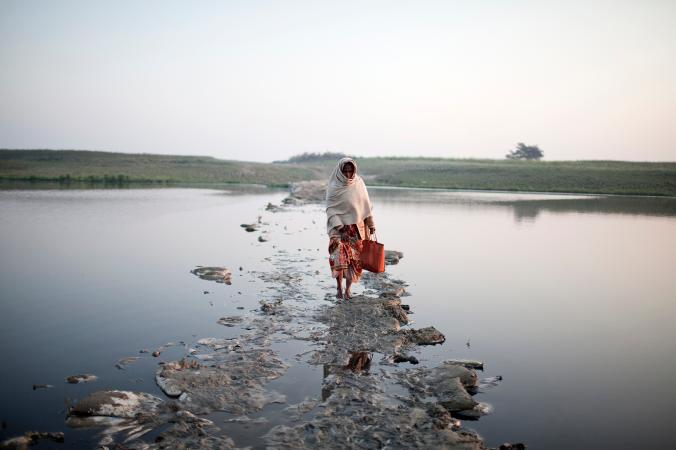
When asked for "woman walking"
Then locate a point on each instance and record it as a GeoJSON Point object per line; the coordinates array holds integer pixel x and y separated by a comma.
{"type": "Point", "coordinates": [349, 221]}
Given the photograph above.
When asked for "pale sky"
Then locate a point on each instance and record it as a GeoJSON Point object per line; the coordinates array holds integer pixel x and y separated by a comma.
{"type": "Point", "coordinates": [264, 80]}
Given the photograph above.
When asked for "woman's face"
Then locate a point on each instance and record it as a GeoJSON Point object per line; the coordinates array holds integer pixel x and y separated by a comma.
{"type": "Point", "coordinates": [348, 170]}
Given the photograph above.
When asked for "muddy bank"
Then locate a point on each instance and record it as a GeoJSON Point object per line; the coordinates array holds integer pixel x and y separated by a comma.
{"type": "Point", "coordinates": [371, 394]}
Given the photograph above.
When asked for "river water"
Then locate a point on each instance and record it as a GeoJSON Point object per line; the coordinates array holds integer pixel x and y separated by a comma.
{"type": "Point", "coordinates": [571, 299]}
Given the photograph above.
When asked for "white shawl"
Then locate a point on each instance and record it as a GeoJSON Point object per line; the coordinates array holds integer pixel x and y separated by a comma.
{"type": "Point", "coordinates": [347, 201]}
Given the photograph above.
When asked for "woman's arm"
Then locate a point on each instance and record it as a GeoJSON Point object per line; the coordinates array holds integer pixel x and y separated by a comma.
{"type": "Point", "coordinates": [370, 224]}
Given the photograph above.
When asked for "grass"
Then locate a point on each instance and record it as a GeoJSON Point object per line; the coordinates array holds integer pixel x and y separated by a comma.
{"type": "Point", "coordinates": [599, 177]}
{"type": "Point", "coordinates": [69, 166]}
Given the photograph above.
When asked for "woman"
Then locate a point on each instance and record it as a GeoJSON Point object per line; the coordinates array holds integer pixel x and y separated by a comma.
{"type": "Point", "coordinates": [349, 221]}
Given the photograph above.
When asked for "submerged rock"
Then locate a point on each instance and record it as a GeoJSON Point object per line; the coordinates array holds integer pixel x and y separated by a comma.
{"type": "Point", "coordinates": [31, 438]}
{"type": "Point", "coordinates": [123, 404]}
{"type": "Point", "coordinates": [230, 321]}
{"type": "Point", "coordinates": [217, 274]}
{"type": "Point", "coordinates": [85, 378]}
{"type": "Point", "coordinates": [356, 414]}
{"type": "Point", "coordinates": [123, 363]}
{"type": "Point", "coordinates": [403, 358]}
{"type": "Point", "coordinates": [516, 446]}
{"type": "Point", "coordinates": [364, 323]}
{"type": "Point", "coordinates": [234, 382]}
{"type": "Point", "coordinates": [392, 257]}
{"type": "Point", "coordinates": [296, 411]}
{"type": "Point", "coordinates": [271, 308]}
{"type": "Point", "coordinates": [192, 434]}
{"type": "Point", "coordinates": [425, 336]}
{"type": "Point", "coordinates": [469, 363]}
{"type": "Point", "coordinates": [449, 383]}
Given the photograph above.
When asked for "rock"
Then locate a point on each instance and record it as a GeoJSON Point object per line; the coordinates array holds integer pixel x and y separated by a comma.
{"type": "Point", "coordinates": [356, 414]}
{"type": "Point", "coordinates": [392, 257]}
{"type": "Point", "coordinates": [306, 192]}
{"type": "Point", "coordinates": [365, 323]}
{"type": "Point", "coordinates": [189, 417]}
{"type": "Point", "coordinates": [393, 306]}
{"type": "Point", "coordinates": [479, 410]}
{"type": "Point", "coordinates": [96, 421]}
{"type": "Point", "coordinates": [216, 343]}
{"type": "Point", "coordinates": [402, 358]}
{"type": "Point", "coordinates": [157, 353]}
{"type": "Point", "coordinates": [217, 274]}
{"type": "Point", "coordinates": [270, 308]}
{"type": "Point", "coordinates": [425, 336]}
{"type": "Point", "coordinates": [234, 383]}
{"type": "Point", "coordinates": [230, 321]}
{"type": "Point", "coordinates": [205, 292]}
{"type": "Point", "coordinates": [448, 383]}
{"type": "Point", "coordinates": [123, 363]}
{"type": "Point", "coordinates": [250, 227]}
{"type": "Point", "coordinates": [42, 386]}
{"type": "Point", "coordinates": [31, 438]}
{"type": "Point", "coordinates": [448, 369]}
{"type": "Point", "coordinates": [517, 446]}
{"type": "Point", "coordinates": [452, 395]}
{"type": "Point", "coordinates": [192, 434]}
{"type": "Point", "coordinates": [262, 239]}
{"type": "Point", "coordinates": [124, 404]}
{"type": "Point", "coordinates": [469, 363]}
{"type": "Point", "coordinates": [272, 208]}
{"type": "Point", "coordinates": [85, 378]}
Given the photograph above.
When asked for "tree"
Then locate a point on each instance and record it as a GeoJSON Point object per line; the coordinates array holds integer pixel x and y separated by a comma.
{"type": "Point", "coordinates": [524, 151]}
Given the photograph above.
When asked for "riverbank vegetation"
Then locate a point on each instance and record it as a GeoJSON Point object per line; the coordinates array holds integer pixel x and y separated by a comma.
{"type": "Point", "coordinates": [598, 177]}
{"type": "Point", "coordinates": [75, 166]}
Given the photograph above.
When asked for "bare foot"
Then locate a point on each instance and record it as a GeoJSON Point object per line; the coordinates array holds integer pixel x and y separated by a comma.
{"type": "Point", "coordinates": [348, 294]}
{"type": "Point", "coordinates": [339, 295]}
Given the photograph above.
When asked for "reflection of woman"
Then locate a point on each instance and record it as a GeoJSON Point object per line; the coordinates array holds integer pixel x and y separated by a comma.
{"type": "Point", "coordinates": [349, 221]}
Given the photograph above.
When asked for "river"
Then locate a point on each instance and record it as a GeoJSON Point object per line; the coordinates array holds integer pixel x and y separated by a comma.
{"type": "Point", "coordinates": [571, 299]}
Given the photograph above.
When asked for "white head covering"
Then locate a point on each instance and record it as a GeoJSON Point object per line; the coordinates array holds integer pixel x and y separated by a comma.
{"type": "Point", "coordinates": [347, 200]}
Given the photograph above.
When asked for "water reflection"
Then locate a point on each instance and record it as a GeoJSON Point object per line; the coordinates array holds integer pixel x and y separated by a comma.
{"type": "Point", "coordinates": [359, 363]}
{"type": "Point", "coordinates": [527, 207]}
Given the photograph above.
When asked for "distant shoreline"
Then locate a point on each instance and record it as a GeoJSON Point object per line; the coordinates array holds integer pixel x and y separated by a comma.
{"type": "Point", "coordinates": [83, 169]}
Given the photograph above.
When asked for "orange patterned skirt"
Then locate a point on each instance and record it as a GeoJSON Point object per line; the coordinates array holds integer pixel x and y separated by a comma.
{"type": "Point", "coordinates": [344, 254]}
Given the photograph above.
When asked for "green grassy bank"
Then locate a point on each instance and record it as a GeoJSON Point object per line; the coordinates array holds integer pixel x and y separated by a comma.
{"type": "Point", "coordinates": [598, 177]}
{"type": "Point", "coordinates": [74, 166]}
{"type": "Point", "coordinates": [607, 177]}
{"type": "Point", "coordinates": [601, 177]}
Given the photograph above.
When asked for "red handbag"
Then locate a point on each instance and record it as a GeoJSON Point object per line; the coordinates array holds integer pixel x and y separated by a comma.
{"type": "Point", "coordinates": [373, 256]}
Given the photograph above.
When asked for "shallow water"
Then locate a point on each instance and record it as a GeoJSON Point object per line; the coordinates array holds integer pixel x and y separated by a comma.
{"type": "Point", "coordinates": [569, 298]}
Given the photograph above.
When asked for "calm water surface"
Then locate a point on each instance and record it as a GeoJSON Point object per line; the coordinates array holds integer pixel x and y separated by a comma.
{"type": "Point", "coordinates": [570, 299]}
